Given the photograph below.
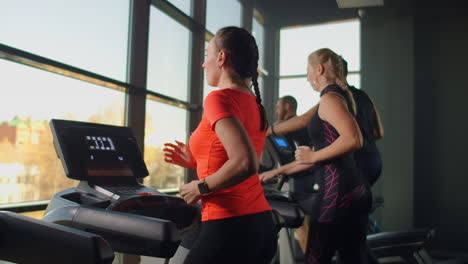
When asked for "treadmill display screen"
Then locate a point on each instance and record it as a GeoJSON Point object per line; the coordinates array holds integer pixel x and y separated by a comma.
{"type": "Point", "coordinates": [104, 159]}
{"type": "Point", "coordinates": [281, 142]}
{"type": "Point", "coordinates": [94, 151]}
{"type": "Point", "coordinates": [100, 143]}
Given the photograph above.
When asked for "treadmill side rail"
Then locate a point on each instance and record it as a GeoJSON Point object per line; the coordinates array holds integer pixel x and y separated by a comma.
{"type": "Point", "coordinates": [142, 235]}
{"type": "Point", "coordinates": [29, 241]}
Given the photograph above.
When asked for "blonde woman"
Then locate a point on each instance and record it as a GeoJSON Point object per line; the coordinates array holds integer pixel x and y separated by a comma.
{"type": "Point", "coordinates": [344, 195]}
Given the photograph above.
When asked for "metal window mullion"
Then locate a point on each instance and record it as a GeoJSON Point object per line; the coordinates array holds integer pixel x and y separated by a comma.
{"type": "Point", "coordinates": [42, 63]}
{"type": "Point", "coordinates": [176, 14]}
{"type": "Point", "coordinates": [137, 68]}
{"type": "Point", "coordinates": [196, 71]}
{"type": "Point", "coordinates": [154, 96]}
{"type": "Point", "coordinates": [294, 76]}
{"type": "Point", "coordinates": [247, 14]}
{"type": "Point", "coordinates": [272, 65]}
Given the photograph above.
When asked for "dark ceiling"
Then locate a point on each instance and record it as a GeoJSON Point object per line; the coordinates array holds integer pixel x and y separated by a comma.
{"type": "Point", "coordinates": [281, 13]}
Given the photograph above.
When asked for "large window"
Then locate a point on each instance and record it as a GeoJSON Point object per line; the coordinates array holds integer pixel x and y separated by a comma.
{"type": "Point", "coordinates": [87, 34]}
{"type": "Point", "coordinates": [222, 13]}
{"type": "Point", "coordinates": [297, 43]}
{"type": "Point", "coordinates": [29, 167]}
{"type": "Point", "coordinates": [75, 34]}
{"type": "Point", "coordinates": [168, 56]}
{"type": "Point", "coordinates": [206, 88]}
{"type": "Point", "coordinates": [183, 5]}
{"type": "Point", "coordinates": [164, 123]}
{"type": "Point", "coordinates": [168, 75]}
{"type": "Point", "coordinates": [258, 32]}
{"type": "Point", "coordinates": [69, 60]}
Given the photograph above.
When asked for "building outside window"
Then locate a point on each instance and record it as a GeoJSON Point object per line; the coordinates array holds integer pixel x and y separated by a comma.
{"type": "Point", "coordinates": [73, 34]}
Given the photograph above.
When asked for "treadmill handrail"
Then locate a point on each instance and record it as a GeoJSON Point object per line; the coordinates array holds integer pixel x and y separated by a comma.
{"type": "Point", "coordinates": [27, 240]}
{"type": "Point", "coordinates": [418, 237]}
{"type": "Point", "coordinates": [97, 219]}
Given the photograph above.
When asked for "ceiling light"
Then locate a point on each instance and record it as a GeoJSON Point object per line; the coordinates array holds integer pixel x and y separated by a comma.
{"type": "Point", "coordinates": [359, 3]}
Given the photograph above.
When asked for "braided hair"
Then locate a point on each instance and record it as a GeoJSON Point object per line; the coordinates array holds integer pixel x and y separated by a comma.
{"type": "Point", "coordinates": [243, 57]}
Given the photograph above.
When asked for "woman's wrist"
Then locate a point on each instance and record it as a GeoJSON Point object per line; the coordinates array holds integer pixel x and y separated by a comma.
{"type": "Point", "coordinates": [277, 172]}
{"type": "Point", "coordinates": [313, 157]}
{"type": "Point", "coordinates": [272, 130]}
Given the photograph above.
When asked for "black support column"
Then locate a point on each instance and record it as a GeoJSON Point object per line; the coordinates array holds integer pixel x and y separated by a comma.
{"type": "Point", "coordinates": [272, 66]}
{"type": "Point", "coordinates": [196, 72]}
{"type": "Point", "coordinates": [137, 68]}
{"type": "Point", "coordinates": [247, 14]}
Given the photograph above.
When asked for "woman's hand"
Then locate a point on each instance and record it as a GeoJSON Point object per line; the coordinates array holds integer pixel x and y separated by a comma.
{"type": "Point", "coordinates": [267, 175]}
{"type": "Point", "coordinates": [305, 155]}
{"type": "Point", "coordinates": [190, 193]}
{"type": "Point", "coordinates": [179, 154]}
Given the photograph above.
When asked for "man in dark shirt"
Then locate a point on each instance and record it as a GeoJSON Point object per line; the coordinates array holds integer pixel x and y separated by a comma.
{"type": "Point", "coordinates": [301, 183]}
{"type": "Point", "coordinates": [286, 108]}
{"type": "Point", "coordinates": [368, 157]}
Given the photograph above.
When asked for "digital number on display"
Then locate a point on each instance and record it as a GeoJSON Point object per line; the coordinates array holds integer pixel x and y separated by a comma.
{"type": "Point", "coordinates": [100, 143]}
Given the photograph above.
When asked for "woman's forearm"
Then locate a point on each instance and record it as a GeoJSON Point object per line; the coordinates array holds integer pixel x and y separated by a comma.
{"type": "Point", "coordinates": [287, 126]}
{"type": "Point", "coordinates": [231, 173]}
{"type": "Point", "coordinates": [292, 167]}
{"type": "Point", "coordinates": [340, 146]}
{"type": "Point", "coordinates": [293, 124]}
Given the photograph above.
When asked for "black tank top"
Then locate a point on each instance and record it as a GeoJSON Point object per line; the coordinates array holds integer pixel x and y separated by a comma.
{"type": "Point", "coordinates": [368, 157]}
{"type": "Point", "coordinates": [342, 187]}
{"type": "Point", "coordinates": [321, 133]}
{"type": "Point", "coordinates": [366, 117]}
{"type": "Point", "coordinates": [299, 137]}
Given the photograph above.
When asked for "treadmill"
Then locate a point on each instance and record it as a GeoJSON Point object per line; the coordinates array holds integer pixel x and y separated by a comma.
{"type": "Point", "coordinates": [29, 241]}
{"type": "Point", "coordinates": [109, 199]}
{"type": "Point", "coordinates": [408, 246]}
{"type": "Point", "coordinates": [277, 152]}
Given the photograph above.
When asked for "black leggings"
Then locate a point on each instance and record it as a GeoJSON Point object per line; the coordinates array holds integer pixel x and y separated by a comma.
{"type": "Point", "coordinates": [249, 239]}
{"type": "Point", "coordinates": [347, 236]}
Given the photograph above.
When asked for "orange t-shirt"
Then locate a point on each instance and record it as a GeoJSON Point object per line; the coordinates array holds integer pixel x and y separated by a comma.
{"type": "Point", "coordinates": [246, 197]}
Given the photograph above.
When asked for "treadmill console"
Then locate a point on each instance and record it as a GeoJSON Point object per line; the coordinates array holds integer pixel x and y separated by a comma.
{"type": "Point", "coordinates": [109, 199]}
{"type": "Point", "coordinates": [280, 149]}
{"type": "Point", "coordinates": [97, 152]}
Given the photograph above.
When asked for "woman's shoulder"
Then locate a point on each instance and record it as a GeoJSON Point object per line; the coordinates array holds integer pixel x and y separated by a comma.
{"type": "Point", "coordinates": [229, 95]}
{"type": "Point", "coordinates": [218, 99]}
{"type": "Point", "coordinates": [332, 96]}
{"type": "Point", "coordinates": [221, 93]}
{"type": "Point", "coordinates": [331, 100]}
{"type": "Point", "coordinates": [332, 89]}
{"type": "Point", "coordinates": [215, 95]}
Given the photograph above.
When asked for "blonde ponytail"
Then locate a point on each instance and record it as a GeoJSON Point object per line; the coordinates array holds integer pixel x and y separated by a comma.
{"type": "Point", "coordinates": [335, 71]}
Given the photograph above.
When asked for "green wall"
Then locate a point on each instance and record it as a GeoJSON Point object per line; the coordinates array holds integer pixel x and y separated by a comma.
{"type": "Point", "coordinates": [441, 177]}
{"type": "Point", "coordinates": [413, 64]}
{"type": "Point", "coordinates": [387, 74]}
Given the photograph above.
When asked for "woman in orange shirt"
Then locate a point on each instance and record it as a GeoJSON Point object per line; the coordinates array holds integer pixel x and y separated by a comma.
{"type": "Point", "coordinates": [237, 225]}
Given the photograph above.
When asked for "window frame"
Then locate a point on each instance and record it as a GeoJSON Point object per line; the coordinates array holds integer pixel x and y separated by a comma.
{"type": "Point", "coordinates": [134, 86]}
